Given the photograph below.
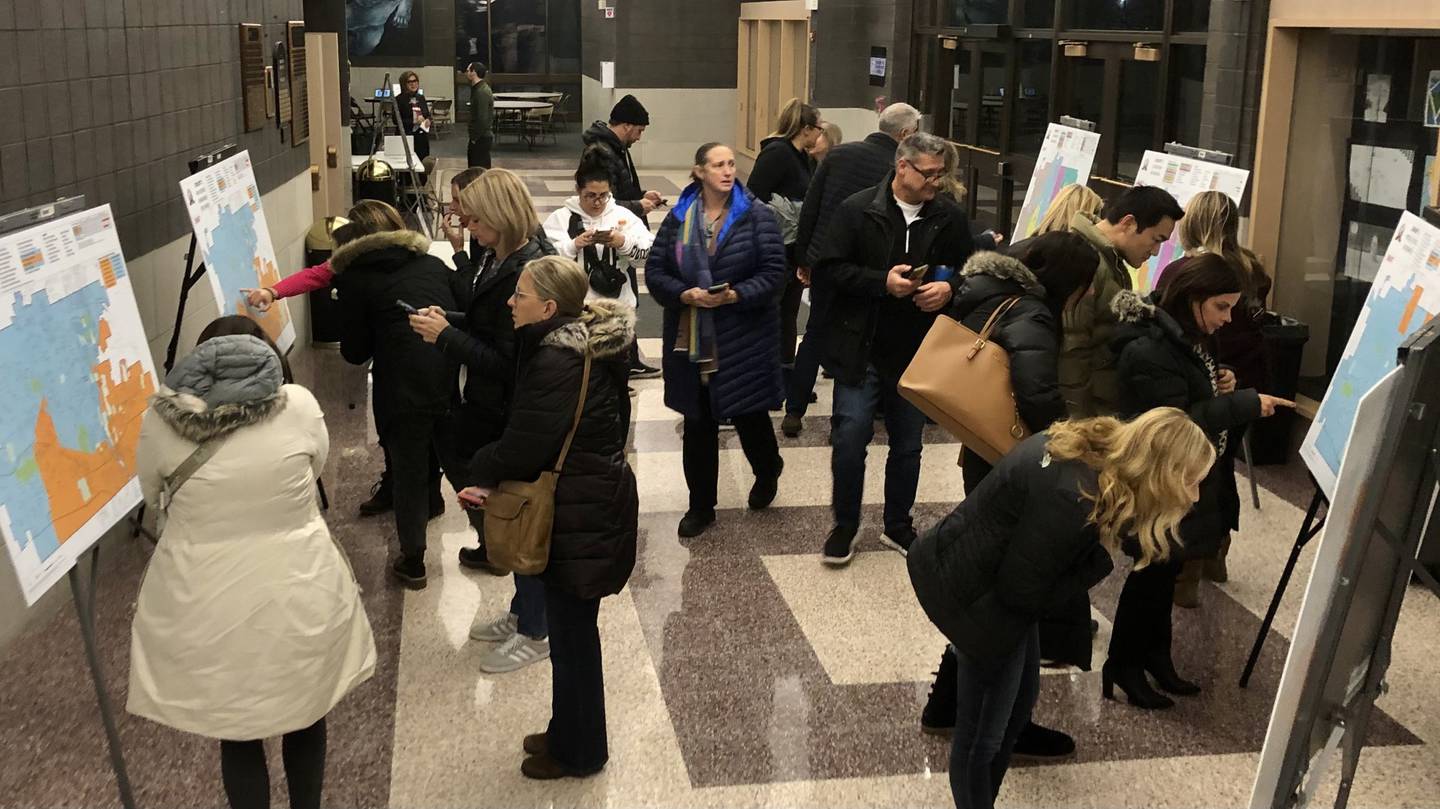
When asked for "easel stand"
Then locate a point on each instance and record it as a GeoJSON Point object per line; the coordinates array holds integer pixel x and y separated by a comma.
{"type": "Point", "coordinates": [1309, 529]}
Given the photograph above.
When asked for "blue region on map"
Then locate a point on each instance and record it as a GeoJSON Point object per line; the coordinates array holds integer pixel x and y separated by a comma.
{"type": "Point", "coordinates": [1374, 357]}
{"type": "Point", "coordinates": [232, 254]}
{"type": "Point", "coordinates": [50, 351]}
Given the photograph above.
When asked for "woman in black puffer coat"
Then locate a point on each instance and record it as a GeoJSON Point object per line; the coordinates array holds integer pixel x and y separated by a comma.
{"type": "Point", "coordinates": [1165, 360]}
{"type": "Point", "coordinates": [592, 545]}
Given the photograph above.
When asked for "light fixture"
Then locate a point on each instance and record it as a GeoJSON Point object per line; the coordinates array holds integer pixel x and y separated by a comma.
{"type": "Point", "coordinates": [1146, 53]}
{"type": "Point", "coordinates": [1074, 49]}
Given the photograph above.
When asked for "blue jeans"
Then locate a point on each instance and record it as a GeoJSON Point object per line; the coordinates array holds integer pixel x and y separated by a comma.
{"type": "Point", "coordinates": [807, 359]}
{"type": "Point", "coordinates": [992, 707]}
{"type": "Point", "coordinates": [852, 427]}
{"type": "Point", "coordinates": [528, 606]}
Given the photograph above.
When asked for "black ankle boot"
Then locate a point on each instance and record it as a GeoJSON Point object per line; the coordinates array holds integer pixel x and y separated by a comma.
{"type": "Point", "coordinates": [1039, 743]}
{"type": "Point", "coordinates": [1163, 670]}
{"type": "Point", "coordinates": [381, 499]}
{"type": "Point", "coordinates": [1131, 680]}
{"type": "Point", "coordinates": [938, 718]}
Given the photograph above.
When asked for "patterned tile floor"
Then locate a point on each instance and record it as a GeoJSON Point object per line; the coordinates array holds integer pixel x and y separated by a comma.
{"type": "Point", "coordinates": [740, 672]}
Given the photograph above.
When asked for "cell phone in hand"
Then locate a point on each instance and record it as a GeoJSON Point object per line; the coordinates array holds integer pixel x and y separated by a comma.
{"type": "Point", "coordinates": [718, 288]}
{"type": "Point", "coordinates": [602, 235]}
{"type": "Point", "coordinates": [917, 273]}
{"type": "Point", "coordinates": [468, 503]}
{"type": "Point", "coordinates": [409, 310]}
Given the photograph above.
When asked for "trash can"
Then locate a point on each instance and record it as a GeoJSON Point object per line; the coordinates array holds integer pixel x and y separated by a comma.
{"type": "Point", "coordinates": [1285, 338]}
{"type": "Point", "coordinates": [324, 305]}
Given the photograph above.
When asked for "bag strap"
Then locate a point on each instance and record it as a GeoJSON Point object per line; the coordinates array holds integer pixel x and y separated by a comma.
{"type": "Point", "coordinates": [188, 467]}
{"type": "Point", "coordinates": [990, 325]}
{"type": "Point", "coordinates": [579, 409]}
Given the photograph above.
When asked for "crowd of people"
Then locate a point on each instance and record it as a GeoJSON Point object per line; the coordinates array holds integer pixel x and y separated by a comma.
{"type": "Point", "coordinates": [517, 363]}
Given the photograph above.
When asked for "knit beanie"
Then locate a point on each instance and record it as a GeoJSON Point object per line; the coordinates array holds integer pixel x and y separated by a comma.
{"type": "Point", "coordinates": [629, 110]}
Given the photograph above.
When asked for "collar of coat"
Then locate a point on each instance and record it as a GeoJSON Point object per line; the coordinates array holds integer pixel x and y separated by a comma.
{"type": "Point", "coordinates": [346, 255]}
{"type": "Point", "coordinates": [197, 422]}
{"type": "Point", "coordinates": [606, 326]}
{"type": "Point", "coordinates": [741, 200]}
{"type": "Point", "coordinates": [1135, 310]}
{"type": "Point", "coordinates": [999, 265]}
{"type": "Point", "coordinates": [884, 203]}
{"type": "Point", "coordinates": [1085, 224]}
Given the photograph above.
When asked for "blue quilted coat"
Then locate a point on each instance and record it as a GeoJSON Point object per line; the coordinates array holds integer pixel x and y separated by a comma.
{"type": "Point", "coordinates": [751, 258]}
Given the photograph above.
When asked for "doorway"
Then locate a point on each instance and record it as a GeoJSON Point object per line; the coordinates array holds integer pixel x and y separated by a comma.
{"type": "Point", "coordinates": [774, 66]}
{"type": "Point", "coordinates": [1121, 95]}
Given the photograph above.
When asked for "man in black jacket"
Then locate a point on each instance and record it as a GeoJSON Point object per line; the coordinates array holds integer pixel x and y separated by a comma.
{"type": "Point", "coordinates": [850, 167]}
{"type": "Point", "coordinates": [878, 317]}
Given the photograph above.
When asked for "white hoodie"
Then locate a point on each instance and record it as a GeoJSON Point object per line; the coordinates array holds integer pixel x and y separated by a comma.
{"type": "Point", "coordinates": [633, 250]}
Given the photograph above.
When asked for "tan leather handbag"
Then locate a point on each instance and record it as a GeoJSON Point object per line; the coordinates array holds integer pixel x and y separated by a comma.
{"type": "Point", "coordinates": [520, 516]}
{"type": "Point", "coordinates": [962, 381]}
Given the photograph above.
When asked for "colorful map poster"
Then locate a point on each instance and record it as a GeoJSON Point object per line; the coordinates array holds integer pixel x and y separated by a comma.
{"type": "Point", "coordinates": [224, 206]}
{"type": "Point", "coordinates": [78, 378]}
{"type": "Point", "coordinates": [1066, 156]}
{"type": "Point", "coordinates": [1183, 177]}
{"type": "Point", "coordinates": [1405, 295]}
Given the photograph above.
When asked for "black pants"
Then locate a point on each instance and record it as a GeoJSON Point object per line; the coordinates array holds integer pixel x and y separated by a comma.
{"type": "Point", "coordinates": [790, 320]}
{"type": "Point", "coordinates": [1142, 615]}
{"type": "Point", "coordinates": [477, 154]}
{"type": "Point", "coordinates": [409, 440]}
{"type": "Point", "coordinates": [387, 478]}
{"type": "Point", "coordinates": [458, 437]}
{"type": "Point", "coordinates": [247, 779]}
{"type": "Point", "coordinates": [576, 735]}
{"type": "Point", "coordinates": [701, 451]}
{"type": "Point", "coordinates": [807, 357]}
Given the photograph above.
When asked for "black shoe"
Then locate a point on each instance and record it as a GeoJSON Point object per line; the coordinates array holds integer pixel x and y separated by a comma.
{"type": "Point", "coordinates": [1042, 744]}
{"type": "Point", "coordinates": [545, 768]}
{"type": "Point", "coordinates": [437, 504]}
{"type": "Point", "coordinates": [1163, 670]}
{"type": "Point", "coordinates": [762, 494]}
{"type": "Point", "coordinates": [899, 539]}
{"type": "Point", "coordinates": [792, 424]}
{"type": "Point", "coordinates": [410, 571]}
{"type": "Point", "coordinates": [1094, 627]}
{"type": "Point", "coordinates": [639, 370]}
{"type": "Point", "coordinates": [938, 718]}
{"type": "Point", "coordinates": [694, 523]}
{"type": "Point", "coordinates": [479, 559]}
{"type": "Point", "coordinates": [1131, 680]}
{"type": "Point", "coordinates": [536, 744]}
{"type": "Point", "coordinates": [839, 546]}
{"type": "Point", "coordinates": [382, 499]}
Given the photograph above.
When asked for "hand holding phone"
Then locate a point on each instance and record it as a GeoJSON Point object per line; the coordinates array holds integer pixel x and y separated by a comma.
{"type": "Point", "coordinates": [602, 236]}
{"type": "Point", "coordinates": [718, 289]}
{"type": "Point", "coordinates": [409, 310]}
{"type": "Point", "coordinates": [917, 273]}
{"type": "Point", "coordinates": [472, 498]}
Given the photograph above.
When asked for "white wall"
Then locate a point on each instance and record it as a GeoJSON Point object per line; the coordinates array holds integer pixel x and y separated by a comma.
{"type": "Point", "coordinates": [855, 122]}
{"type": "Point", "coordinates": [156, 279]}
{"type": "Point", "coordinates": [680, 120]}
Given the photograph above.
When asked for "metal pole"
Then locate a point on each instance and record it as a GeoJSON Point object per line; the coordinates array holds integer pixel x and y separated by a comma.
{"type": "Point", "coordinates": [85, 609]}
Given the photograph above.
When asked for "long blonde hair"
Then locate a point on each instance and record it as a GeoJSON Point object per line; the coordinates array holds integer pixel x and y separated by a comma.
{"type": "Point", "coordinates": [794, 117]}
{"type": "Point", "coordinates": [561, 280]}
{"type": "Point", "coordinates": [499, 200]}
{"type": "Point", "coordinates": [1212, 225]}
{"type": "Point", "coordinates": [1072, 199]}
{"type": "Point", "coordinates": [1146, 467]}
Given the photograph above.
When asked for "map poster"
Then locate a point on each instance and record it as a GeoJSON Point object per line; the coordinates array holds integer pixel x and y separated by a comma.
{"type": "Point", "coordinates": [1183, 177]}
{"type": "Point", "coordinates": [78, 378]}
{"type": "Point", "coordinates": [224, 206]}
{"type": "Point", "coordinates": [1066, 156]}
{"type": "Point", "coordinates": [1405, 295]}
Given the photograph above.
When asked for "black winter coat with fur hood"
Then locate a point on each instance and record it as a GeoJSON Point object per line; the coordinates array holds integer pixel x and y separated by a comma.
{"type": "Point", "coordinates": [592, 547]}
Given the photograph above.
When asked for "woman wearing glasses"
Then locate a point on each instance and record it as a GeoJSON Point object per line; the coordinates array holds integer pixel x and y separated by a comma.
{"type": "Point", "coordinates": [604, 238]}
{"type": "Point", "coordinates": [414, 113]}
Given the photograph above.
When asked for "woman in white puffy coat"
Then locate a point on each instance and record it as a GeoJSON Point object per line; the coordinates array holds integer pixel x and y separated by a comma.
{"type": "Point", "coordinates": [579, 230]}
{"type": "Point", "coordinates": [249, 623]}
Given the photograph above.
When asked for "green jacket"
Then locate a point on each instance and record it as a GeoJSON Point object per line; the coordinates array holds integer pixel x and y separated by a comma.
{"type": "Point", "coordinates": [1087, 363]}
{"type": "Point", "coordinates": [482, 111]}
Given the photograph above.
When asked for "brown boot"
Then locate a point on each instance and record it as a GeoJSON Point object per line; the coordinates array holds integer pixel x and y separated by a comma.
{"type": "Point", "coordinates": [1187, 585]}
{"type": "Point", "coordinates": [1215, 569]}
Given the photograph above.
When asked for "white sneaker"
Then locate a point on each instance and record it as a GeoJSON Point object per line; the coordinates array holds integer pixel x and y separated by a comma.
{"type": "Point", "coordinates": [495, 630]}
{"type": "Point", "coordinates": [515, 653]}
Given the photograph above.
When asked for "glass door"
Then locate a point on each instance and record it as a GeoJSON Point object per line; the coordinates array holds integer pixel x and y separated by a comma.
{"type": "Point", "coordinates": [1122, 96]}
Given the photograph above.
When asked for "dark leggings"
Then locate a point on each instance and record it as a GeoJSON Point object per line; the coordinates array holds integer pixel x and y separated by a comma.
{"type": "Point", "coordinates": [247, 779]}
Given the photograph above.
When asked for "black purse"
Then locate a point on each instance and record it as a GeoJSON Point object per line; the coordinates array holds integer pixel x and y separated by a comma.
{"type": "Point", "coordinates": [606, 277]}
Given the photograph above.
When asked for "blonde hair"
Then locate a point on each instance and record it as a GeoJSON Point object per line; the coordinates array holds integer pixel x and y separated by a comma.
{"type": "Point", "coordinates": [1072, 199]}
{"type": "Point", "coordinates": [1145, 470]}
{"type": "Point", "coordinates": [499, 200]}
{"type": "Point", "coordinates": [1212, 225]}
{"type": "Point", "coordinates": [560, 280]}
{"type": "Point", "coordinates": [794, 117]}
{"type": "Point", "coordinates": [833, 134]}
{"type": "Point", "coordinates": [950, 184]}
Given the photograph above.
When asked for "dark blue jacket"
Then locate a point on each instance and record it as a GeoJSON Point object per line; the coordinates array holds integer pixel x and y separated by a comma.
{"type": "Point", "coordinates": [751, 258]}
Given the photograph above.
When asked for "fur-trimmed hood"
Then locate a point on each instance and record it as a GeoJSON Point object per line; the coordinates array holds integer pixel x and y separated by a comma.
{"type": "Point", "coordinates": [1138, 316]}
{"type": "Point", "coordinates": [606, 325]}
{"type": "Point", "coordinates": [197, 422]}
{"type": "Point", "coordinates": [346, 255]}
{"type": "Point", "coordinates": [999, 265]}
{"type": "Point", "coordinates": [226, 383]}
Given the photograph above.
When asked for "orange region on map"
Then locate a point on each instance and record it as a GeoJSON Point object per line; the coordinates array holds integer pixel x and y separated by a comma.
{"type": "Point", "coordinates": [110, 467]}
{"type": "Point", "coordinates": [107, 272]}
{"type": "Point", "coordinates": [273, 320]}
{"type": "Point", "coordinates": [1411, 306]}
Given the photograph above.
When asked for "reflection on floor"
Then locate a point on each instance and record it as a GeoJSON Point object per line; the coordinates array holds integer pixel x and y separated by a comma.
{"type": "Point", "coordinates": [740, 671]}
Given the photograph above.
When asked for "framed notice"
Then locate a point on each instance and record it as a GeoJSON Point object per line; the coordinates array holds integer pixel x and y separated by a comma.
{"type": "Point", "coordinates": [252, 75]}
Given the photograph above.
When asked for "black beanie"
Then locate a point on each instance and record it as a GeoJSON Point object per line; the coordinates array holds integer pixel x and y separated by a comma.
{"type": "Point", "coordinates": [629, 110]}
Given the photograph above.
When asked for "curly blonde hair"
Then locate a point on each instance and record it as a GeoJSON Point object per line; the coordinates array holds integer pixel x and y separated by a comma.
{"type": "Point", "coordinates": [1147, 468]}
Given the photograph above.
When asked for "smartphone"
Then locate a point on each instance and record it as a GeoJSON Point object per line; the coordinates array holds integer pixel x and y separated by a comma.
{"type": "Point", "coordinates": [602, 235]}
{"type": "Point", "coordinates": [468, 504]}
{"type": "Point", "coordinates": [917, 273]}
{"type": "Point", "coordinates": [409, 310]}
{"type": "Point", "coordinates": [718, 288]}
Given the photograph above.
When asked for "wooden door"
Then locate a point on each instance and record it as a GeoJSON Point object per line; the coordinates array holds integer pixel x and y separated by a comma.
{"type": "Point", "coordinates": [773, 67]}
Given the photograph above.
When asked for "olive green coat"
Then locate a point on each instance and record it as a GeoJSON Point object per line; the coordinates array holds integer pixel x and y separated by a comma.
{"type": "Point", "coordinates": [1087, 363]}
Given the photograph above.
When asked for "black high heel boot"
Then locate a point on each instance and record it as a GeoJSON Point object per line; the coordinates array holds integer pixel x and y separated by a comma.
{"type": "Point", "coordinates": [1163, 670]}
{"type": "Point", "coordinates": [1131, 680]}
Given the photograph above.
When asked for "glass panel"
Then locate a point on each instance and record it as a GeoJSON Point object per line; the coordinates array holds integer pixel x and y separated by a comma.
{"type": "Point", "coordinates": [992, 98]}
{"type": "Point", "coordinates": [1187, 90]}
{"type": "Point", "coordinates": [960, 98]}
{"type": "Point", "coordinates": [1032, 100]}
{"type": "Point", "coordinates": [517, 37]}
{"type": "Point", "coordinates": [1139, 86]}
{"type": "Point", "coordinates": [975, 12]}
{"type": "Point", "coordinates": [1107, 15]}
{"type": "Point", "coordinates": [564, 25]}
{"type": "Point", "coordinates": [472, 32]}
{"type": "Point", "coordinates": [1192, 16]}
{"type": "Point", "coordinates": [1039, 13]}
{"type": "Point", "coordinates": [1085, 82]}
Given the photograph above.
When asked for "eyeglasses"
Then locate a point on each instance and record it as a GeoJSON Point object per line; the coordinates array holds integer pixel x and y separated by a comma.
{"type": "Point", "coordinates": [931, 176]}
{"type": "Point", "coordinates": [412, 81]}
{"type": "Point", "coordinates": [589, 197]}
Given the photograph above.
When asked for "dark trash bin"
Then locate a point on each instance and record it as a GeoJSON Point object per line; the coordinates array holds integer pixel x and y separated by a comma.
{"type": "Point", "coordinates": [324, 305]}
{"type": "Point", "coordinates": [1285, 338]}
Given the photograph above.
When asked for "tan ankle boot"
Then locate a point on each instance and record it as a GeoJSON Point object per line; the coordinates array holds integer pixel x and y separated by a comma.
{"type": "Point", "coordinates": [1215, 569]}
{"type": "Point", "coordinates": [1187, 585]}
